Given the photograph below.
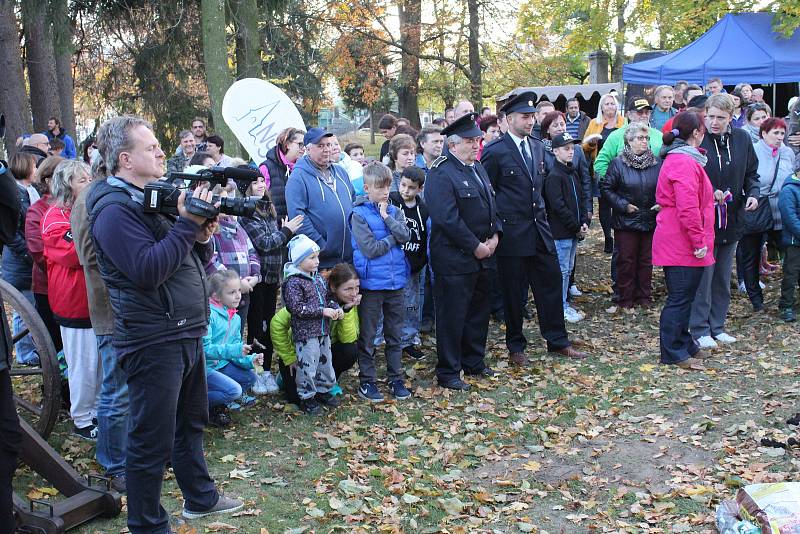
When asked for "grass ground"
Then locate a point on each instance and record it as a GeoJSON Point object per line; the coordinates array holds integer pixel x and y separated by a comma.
{"type": "Point", "coordinates": [615, 443]}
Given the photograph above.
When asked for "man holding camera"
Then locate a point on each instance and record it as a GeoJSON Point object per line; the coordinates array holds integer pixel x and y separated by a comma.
{"type": "Point", "coordinates": [153, 264]}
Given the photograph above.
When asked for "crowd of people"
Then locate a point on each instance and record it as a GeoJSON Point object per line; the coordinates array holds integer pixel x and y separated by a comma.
{"type": "Point", "coordinates": [169, 321]}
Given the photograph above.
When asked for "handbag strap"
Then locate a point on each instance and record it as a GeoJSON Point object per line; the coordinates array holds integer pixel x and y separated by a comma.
{"type": "Point", "coordinates": [775, 177]}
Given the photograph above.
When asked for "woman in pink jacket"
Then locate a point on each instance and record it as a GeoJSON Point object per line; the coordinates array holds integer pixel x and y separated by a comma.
{"type": "Point", "coordinates": [683, 242]}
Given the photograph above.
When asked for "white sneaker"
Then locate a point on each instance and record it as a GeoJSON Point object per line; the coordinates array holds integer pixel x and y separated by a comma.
{"type": "Point", "coordinates": [572, 316]}
{"type": "Point", "coordinates": [762, 284]}
{"type": "Point", "coordinates": [707, 342]}
{"type": "Point", "coordinates": [725, 338]}
{"type": "Point", "coordinates": [265, 384]}
{"type": "Point", "coordinates": [574, 291]}
{"type": "Point", "coordinates": [742, 288]}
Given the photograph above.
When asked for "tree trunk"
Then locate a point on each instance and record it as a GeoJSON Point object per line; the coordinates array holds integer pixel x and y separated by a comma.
{"type": "Point", "coordinates": [248, 42]}
{"type": "Point", "coordinates": [64, 49]}
{"type": "Point", "coordinates": [475, 81]}
{"type": "Point", "coordinates": [410, 13]}
{"type": "Point", "coordinates": [218, 76]}
{"type": "Point", "coordinates": [41, 63]}
{"type": "Point", "coordinates": [13, 98]}
{"type": "Point", "coordinates": [619, 43]}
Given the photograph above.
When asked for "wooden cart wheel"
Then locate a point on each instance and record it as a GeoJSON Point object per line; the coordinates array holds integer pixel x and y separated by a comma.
{"type": "Point", "coordinates": [37, 388]}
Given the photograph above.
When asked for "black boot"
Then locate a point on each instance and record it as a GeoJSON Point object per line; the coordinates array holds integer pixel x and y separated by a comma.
{"type": "Point", "coordinates": [609, 246]}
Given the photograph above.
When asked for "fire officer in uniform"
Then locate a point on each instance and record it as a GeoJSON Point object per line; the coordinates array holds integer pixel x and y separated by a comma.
{"type": "Point", "coordinates": [527, 254]}
{"type": "Point", "coordinates": [465, 231]}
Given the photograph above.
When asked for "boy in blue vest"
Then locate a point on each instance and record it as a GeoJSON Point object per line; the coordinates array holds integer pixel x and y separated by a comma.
{"type": "Point", "coordinates": [378, 230]}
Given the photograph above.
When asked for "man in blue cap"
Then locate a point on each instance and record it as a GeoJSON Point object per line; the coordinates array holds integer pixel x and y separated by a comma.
{"type": "Point", "coordinates": [323, 194]}
{"type": "Point", "coordinates": [465, 232]}
{"type": "Point", "coordinates": [527, 254]}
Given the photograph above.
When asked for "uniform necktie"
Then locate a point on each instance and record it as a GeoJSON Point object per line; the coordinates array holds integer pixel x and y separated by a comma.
{"type": "Point", "coordinates": [526, 156]}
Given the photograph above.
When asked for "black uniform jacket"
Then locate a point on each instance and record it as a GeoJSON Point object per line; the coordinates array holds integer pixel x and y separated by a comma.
{"type": "Point", "coordinates": [463, 215]}
{"type": "Point", "coordinates": [519, 196]}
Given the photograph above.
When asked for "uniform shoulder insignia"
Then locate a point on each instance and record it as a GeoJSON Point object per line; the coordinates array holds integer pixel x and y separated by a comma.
{"type": "Point", "coordinates": [438, 161]}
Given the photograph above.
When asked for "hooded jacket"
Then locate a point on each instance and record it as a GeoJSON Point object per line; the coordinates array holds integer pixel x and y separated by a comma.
{"type": "Point", "coordinates": [732, 166]}
{"type": "Point", "coordinates": [378, 256]}
{"type": "Point", "coordinates": [305, 296]}
{"type": "Point", "coordinates": [789, 205]}
{"type": "Point", "coordinates": [686, 220]}
{"type": "Point", "coordinates": [326, 212]}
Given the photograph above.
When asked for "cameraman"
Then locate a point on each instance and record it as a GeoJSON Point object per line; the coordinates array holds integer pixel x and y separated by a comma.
{"type": "Point", "coordinates": [152, 265]}
{"type": "Point", "coordinates": [10, 432]}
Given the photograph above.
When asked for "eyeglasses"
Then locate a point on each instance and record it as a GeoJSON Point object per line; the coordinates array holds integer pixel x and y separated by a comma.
{"type": "Point", "coordinates": [642, 137]}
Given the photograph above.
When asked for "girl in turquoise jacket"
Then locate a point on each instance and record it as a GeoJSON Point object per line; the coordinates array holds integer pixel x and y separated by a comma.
{"type": "Point", "coordinates": [230, 366]}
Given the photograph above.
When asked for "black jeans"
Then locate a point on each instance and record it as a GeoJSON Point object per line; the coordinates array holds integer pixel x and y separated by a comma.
{"type": "Point", "coordinates": [344, 358]}
{"type": "Point", "coordinates": [263, 300]}
{"type": "Point", "coordinates": [791, 275]}
{"type": "Point", "coordinates": [604, 214]}
{"type": "Point", "coordinates": [168, 412]}
{"type": "Point", "coordinates": [677, 343]}
{"type": "Point", "coordinates": [750, 249]}
{"type": "Point", "coordinates": [43, 308]}
{"type": "Point", "coordinates": [10, 442]}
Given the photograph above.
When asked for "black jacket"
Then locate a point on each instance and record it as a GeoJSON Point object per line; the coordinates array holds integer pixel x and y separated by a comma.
{"type": "Point", "coordinates": [520, 204]}
{"type": "Point", "coordinates": [581, 165]}
{"type": "Point", "coordinates": [739, 174]}
{"type": "Point", "coordinates": [625, 185]}
{"type": "Point", "coordinates": [142, 315]}
{"type": "Point", "coordinates": [562, 194]}
{"type": "Point", "coordinates": [9, 218]}
{"type": "Point", "coordinates": [278, 175]}
{"type": "Point", "coordinates": [463, 215]}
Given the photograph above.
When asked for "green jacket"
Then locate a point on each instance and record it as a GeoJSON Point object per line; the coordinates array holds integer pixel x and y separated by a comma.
{"type": "Point", "coordinates": [280, 331]}
{"type": "Point", "coordinates": [223, 342]}
{"type": "Point", "coordinates": [613, 147]}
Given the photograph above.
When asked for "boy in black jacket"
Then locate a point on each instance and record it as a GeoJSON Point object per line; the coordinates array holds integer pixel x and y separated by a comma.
{"type": "Point", "coordinates": [409, 200]}
{"type": "Point", "coordinates": [568, 222]}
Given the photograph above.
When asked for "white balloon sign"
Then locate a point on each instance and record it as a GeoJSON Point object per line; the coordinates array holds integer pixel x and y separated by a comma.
{"type": "Point", "coordinates": [256, 111]}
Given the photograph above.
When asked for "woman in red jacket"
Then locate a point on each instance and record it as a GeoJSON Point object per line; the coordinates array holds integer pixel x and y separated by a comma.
{"type": "Point", "coordinates": [68, 300]}
{"type": "Point", "coordinates": [33, 238]}
{"type": "Point", "coordinates": [683, 242]}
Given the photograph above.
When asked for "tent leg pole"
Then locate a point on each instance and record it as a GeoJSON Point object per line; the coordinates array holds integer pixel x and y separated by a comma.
{"type": "Point", "coordinates": [774, 99]}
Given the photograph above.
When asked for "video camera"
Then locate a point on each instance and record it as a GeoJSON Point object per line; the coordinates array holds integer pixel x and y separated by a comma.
{"type": "Point", "coordinates": [162, 197]}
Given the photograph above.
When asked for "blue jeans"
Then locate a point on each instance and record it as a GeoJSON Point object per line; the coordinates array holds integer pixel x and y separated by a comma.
{"type": "Point", "coordinates": [112, 411]}
{"type": "Point", "coordinates": [244, 377]}
{"type": "Point", "coordinates": [168, 414]}
{"type": "Point", "coordinates": [25, 349]}
{"type": "Point", "coordinates": [676, 342]}
{"type": "Point", "coordinates": [412, 297]}
{"type": "Point", "coordinates": [221, 389]}
{"type": "Point", "coordinates": [566, 250]}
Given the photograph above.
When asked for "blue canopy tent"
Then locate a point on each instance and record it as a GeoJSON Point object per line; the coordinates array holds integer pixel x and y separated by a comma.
{"type": "Point", "coordinates": [739, 48]}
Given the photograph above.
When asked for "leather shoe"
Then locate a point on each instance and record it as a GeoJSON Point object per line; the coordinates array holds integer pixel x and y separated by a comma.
{"type": "Point", "coordinates": [456, 384]}
{"type": "Point", "coordinates": [518, 358]}
{"type": "Point", "coordinates": [691, 364]}
{"type": "Point", "coordinates": [701, 355]}
{"type": "Point", "coordinates": [486, 372]}
{"type": "Point", "coordinates": [570, 352]}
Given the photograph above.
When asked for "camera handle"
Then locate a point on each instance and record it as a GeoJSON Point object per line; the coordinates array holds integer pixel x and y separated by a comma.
{"type": "Point", "coordinates": [201, 208]}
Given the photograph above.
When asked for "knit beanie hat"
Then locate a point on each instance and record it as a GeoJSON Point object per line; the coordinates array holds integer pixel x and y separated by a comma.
{"type": "Point", "coordinates": [301, 247]}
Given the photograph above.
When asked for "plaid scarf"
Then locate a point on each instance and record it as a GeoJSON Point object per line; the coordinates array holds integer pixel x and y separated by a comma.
{"type": "Point", "coordinates": [642, 161]}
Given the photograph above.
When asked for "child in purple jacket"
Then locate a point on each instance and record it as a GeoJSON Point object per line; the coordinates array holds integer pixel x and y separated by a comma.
{"type": "Point", "coordinates": [305, 294]}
